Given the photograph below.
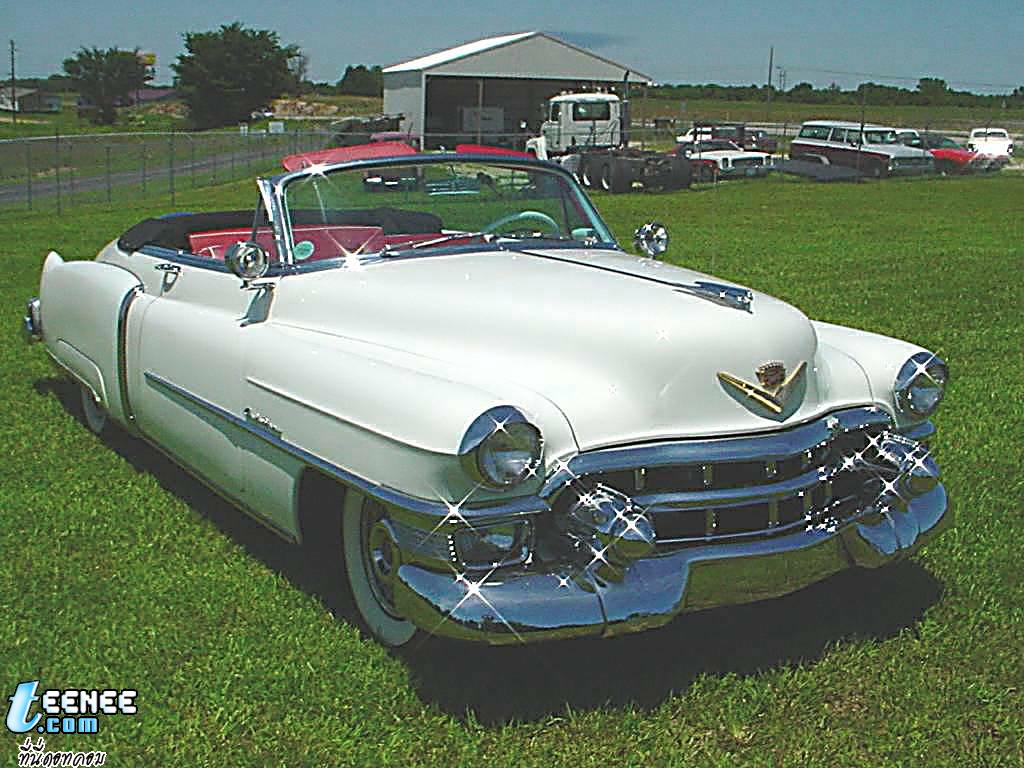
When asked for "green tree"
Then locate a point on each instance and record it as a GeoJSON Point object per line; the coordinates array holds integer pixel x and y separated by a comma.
{"type": "Point", "coordinates": [106, 79]}
{"type": "Point", "coordinates": [226, 74]}
{"type": "Point", "coordinates": [933, 91]}
{"type": "Point", "coordinates": [362, 81]}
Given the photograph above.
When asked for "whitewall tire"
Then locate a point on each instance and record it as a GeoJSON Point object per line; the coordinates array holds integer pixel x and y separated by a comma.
{"type": "Point", "coordinates": [370, 563]}
{"type": "Point", "coordinates": [95, 415]}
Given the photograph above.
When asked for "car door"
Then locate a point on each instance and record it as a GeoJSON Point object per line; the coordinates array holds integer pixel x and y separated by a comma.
{"type": "Point", "coordinates": [188, 387]}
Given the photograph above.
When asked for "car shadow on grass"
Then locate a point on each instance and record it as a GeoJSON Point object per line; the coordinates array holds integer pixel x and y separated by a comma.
{"type": "Point", "coordinates": [499, 685]}
{"type": "Point", "coordinates": [496, 685]}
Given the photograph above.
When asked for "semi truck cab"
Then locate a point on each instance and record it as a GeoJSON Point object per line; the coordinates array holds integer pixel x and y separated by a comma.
{"type": "Point", "coordinates": [583, 120]}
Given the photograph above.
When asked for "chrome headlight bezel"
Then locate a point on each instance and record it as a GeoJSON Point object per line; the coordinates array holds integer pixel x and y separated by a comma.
{"type": "Point", "coordinates": [501, 427]}
{"type": "Point", "coordinates": [921, 369]}
{"type": "Point", "coordinates": [496, 545]}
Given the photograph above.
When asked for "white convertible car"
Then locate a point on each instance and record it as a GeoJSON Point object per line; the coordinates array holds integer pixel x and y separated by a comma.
{"type": "Point", "coordinates": [442, 374]}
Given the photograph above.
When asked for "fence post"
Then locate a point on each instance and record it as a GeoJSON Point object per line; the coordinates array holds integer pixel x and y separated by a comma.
{"type": "Point", "coordinates": [192, 147]}
{"type": "Point", "coordinates": [28, 172]}
{"type": "Point", "coordinates": [213, 158]}
{"type": "Point", "coordinates": [56, 144]}
{"type": "Point", "coordinates": [71, 167]}
{"type": "Point", "coordinates": [170, 165]}
{"type": "Point", "coordinates": [108, 172]}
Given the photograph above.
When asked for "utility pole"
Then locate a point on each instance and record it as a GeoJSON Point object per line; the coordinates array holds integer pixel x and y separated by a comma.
{"type": "Point", "coordinates": [14, 90]}
{"type": "Point", "coordinates": [768, 104]}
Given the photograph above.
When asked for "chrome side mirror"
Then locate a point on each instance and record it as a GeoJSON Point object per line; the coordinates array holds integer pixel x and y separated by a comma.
{"type": "Point", "coordinates": [248, 260]}
{"type": "Point", "coordinates": [651, 239]}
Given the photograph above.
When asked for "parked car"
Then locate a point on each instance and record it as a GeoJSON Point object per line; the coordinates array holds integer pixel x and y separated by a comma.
{"type": "Point", "coordinates": [358, 129]}
{"type": "Point", "coordinates": [449, 402]}
{"type": "Point", "coordinates": [761, 141]}
{"type": "Point", "coordinates": [993, 142]}
{"type": "Point", "coordinates": [738, 133]}
{"type": "Point", "coordinates": [875, 150]}
{"type": "Point", "coordinates": [716, 158]}
{"type": "Point", "coordinates": [950, 157]}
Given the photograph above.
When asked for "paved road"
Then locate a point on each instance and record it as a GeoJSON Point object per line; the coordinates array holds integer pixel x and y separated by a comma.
{"type": "Point", "coordinates": [157, 179]}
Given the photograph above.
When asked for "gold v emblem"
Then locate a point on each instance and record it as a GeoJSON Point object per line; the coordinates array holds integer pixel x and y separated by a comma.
{"type": "Point", "coordinates": [771, 397]}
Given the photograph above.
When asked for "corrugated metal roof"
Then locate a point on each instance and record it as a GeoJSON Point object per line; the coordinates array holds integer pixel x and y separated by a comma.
{"type": "Point", "coordinates": [458, 52]}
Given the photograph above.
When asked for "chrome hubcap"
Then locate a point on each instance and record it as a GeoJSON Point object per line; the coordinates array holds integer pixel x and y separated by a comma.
{"type": "Point", "coordinates": [379, 556]}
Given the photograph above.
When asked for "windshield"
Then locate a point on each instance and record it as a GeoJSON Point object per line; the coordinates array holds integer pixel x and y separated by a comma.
{"type": "Point", "coordinates": [716, 145]}
{"type": "Point", "coordinates": [390, 210]}
{"type": "Point", "coordinates": [879, 137]}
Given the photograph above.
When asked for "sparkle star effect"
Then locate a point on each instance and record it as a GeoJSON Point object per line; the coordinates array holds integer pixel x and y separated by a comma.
{"type": "Point", "coordinates": [473, 591]}
{"type": "Point", "coordinates": [453, 513]}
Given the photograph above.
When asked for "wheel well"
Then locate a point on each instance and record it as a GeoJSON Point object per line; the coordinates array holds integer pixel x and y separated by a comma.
{"type": "Point", "coordinates": [320, 499]}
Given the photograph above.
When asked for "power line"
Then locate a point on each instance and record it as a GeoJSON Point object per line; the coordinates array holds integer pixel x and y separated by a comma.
{"type": "Point", "coordinates": [904, 78]}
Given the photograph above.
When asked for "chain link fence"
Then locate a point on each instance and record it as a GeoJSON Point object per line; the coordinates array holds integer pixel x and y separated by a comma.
{"type": "Point", "coordinates": [57, 172]}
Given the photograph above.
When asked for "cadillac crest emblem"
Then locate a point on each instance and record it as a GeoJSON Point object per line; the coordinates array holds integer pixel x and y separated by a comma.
{"type": "Point", "coordinates": [773, 388]}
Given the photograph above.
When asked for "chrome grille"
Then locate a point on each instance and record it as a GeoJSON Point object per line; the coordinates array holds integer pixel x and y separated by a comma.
{"type": "Point", "coordinates": [745, 161]}
{"type": "Point", "coordinates": [701, 491]}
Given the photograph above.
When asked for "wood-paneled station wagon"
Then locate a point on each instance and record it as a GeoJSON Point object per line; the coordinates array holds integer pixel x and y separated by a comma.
{"type": "Point", "coordinates": [524, 432]}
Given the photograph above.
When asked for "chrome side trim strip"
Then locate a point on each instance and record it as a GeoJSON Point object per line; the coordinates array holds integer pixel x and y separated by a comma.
{"type": "Point", "coordinates": [122, 352]}
{"type": "Point", "coordinates": [770, 446]}
{"type": "Point", "coordinates": [433, 509]}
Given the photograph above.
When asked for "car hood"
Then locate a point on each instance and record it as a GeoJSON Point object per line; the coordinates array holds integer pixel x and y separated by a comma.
{"type": "Point", "coordinates": [895, 150]}
{"type": "Point", "coordinates": [952, 153]}
{"type": "Point", "coordinates": [616, 342]}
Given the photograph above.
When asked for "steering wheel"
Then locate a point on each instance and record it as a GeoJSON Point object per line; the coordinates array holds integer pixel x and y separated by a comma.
{"type": "Point", "coordinates": [497, 224]}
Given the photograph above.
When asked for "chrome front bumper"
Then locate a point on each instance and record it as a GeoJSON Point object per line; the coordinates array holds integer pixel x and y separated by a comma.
{"type": "Point", "coordinates": [511, 606]}
{"type": "Point", "coordinates": [31, 324]}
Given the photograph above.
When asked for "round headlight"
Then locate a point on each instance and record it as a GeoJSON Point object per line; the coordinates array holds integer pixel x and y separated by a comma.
{"type": "Point", "coordinates": [501, 448]}
{"type": "Point", "coordinates": [921, 383]}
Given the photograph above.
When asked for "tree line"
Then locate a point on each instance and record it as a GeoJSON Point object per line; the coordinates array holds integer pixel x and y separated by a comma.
{"type": "Point", "coordinates": [929, 92]}
{"type": "Point", "coordinates": [222, 76]}
{"type": "Point", "coordinates": [225, 74]}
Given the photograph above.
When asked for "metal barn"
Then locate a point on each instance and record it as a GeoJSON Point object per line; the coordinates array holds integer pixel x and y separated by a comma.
{"type": "Point", "coordinates": [493, 90]}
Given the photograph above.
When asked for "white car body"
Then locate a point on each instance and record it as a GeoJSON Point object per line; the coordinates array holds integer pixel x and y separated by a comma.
{"type": "Point", "coordinates": [991, 142]}
{"type": "Point", "coordinates": [730, 162]}
{"type": "Point", "coordinates": [371, 372]}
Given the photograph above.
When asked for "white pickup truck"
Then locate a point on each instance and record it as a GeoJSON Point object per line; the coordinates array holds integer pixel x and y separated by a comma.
{"type": "Point", "coordinates": [991, 142]}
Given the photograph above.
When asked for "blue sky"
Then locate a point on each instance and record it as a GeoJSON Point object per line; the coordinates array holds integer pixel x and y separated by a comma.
{"type": "Point", "coordinates": [975, 44]}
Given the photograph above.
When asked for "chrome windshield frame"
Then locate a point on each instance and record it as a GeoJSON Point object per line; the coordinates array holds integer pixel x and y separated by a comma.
{"type": "Point", "coordinates": [276, 188]}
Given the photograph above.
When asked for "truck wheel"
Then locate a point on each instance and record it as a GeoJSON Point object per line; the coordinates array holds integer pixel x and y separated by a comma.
{"type": "Point", "coordinates": [371, 563]}
{"type": "Point", "coordinates": [587, 172]}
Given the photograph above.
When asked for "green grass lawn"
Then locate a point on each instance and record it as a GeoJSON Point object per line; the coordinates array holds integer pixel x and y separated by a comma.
{"type": "Point", "coordinates": [118, 570]}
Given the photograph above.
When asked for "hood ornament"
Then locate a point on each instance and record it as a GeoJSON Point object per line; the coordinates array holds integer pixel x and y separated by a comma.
{"type": "Point", "coordinates": [775, 388]}
{"type": "Point", "coordinates": [719, 293]}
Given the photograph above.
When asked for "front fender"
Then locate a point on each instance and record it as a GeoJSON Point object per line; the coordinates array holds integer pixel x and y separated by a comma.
{"type": "Point", "coordinates": [880, 358]}
{"type": "Point", "coordinates": [390, 417]}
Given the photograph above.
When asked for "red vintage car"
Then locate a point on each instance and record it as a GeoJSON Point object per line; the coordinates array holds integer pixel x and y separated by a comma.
{"type": "Point", "coordinates": [950, 157]}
